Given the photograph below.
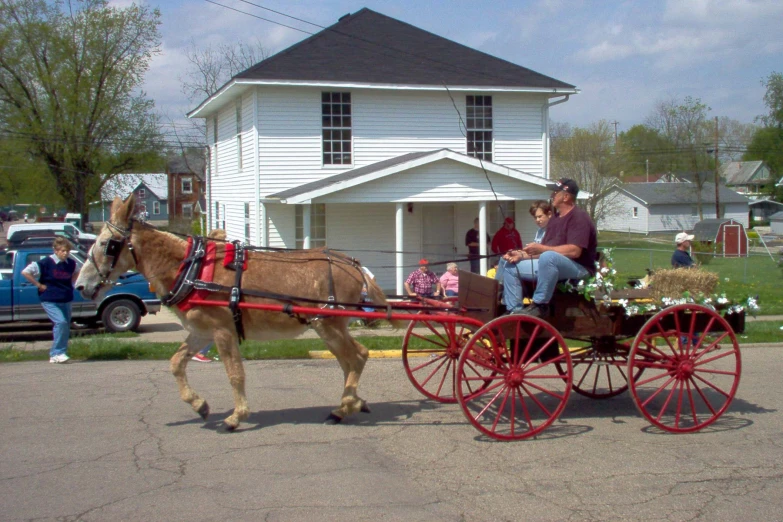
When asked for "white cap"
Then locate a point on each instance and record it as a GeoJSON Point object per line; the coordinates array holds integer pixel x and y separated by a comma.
{"type": "Point", "coordinates": [682, 237]}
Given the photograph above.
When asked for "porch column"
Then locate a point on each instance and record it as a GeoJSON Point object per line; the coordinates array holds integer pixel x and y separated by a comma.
{"type": "Point", "coordinates": [482, 213]}
{"type": "Point", "coordinates": [262, 224]}
{"type": "Point", "coordinates": [398, 258]}
{"type": "Point", "coordinates": [306, 226]}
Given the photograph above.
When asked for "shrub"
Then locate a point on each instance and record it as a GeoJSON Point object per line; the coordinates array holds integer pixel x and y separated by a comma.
{"type": "Point", "coordinates": [703, 252]}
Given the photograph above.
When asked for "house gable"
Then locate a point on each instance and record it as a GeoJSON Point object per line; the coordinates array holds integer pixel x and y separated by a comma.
{"type": "Point", "coordinates": [384, 180]}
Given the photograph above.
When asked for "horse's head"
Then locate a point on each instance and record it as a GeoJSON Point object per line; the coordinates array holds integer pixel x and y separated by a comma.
{"type": "Point", "coordinates": [112, 254]}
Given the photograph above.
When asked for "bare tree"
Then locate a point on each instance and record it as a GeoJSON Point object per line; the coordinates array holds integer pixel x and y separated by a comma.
{"type": "Point", "coordinates": [587, 156]}
{"type": "Point", "coordinates": [686, 125]}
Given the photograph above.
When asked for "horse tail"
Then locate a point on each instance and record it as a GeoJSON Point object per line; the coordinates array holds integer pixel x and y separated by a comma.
{"type": "Point", "coordinates": [376, 295]}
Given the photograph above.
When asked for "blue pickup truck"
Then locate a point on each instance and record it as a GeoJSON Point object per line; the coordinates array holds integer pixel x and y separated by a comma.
{"type": "Point", "coordinates": [120, 310]}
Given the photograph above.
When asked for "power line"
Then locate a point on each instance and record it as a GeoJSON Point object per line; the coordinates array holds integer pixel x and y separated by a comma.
{"type": "Point", "coordinates": [260, 17]}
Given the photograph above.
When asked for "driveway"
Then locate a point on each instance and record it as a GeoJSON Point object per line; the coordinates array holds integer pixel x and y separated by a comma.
{"type": "Point", "coordinates": [112, 441]}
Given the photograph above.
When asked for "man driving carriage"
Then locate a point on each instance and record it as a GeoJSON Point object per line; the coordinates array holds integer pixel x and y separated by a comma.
{"type": "Point", "coordinates": [568, 251]}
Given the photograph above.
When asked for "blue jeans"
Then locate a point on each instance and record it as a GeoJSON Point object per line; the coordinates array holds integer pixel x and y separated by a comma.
{"type": "Point", "coordinates": [547, 270]}
{"type": "Point", "coordinates": [60, 315]}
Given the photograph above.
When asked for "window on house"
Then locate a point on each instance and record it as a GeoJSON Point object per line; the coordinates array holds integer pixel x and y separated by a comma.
{"type": "Point", "coordinates": [479, 126]}
{"type": "Point", "coordinates": [215, 137]}
{"type": "Point", "coordinates": [156, 207]}
{"type": "Point", "coordinates": [247, 222]}
{"type": "Point", "coordinates": [498, 213]}
{"type": "Point", "coordinates": [187, 185]}
{"type": "Point", "coordinates": [317, 225]}
{"type": "Point", "coordinates": [336, 127]}
{"type": "Point", "coordinates": [142, 193]}
{"type": "Point", "coordinates": [217, 214]}
{"type": "Point", "coordinates": [187, 210]}
{"type": "Point", "coordinates": [694, 211]}
{"type": "Point", "coordinates": [239, 133]}
{"type": "Point", "coordinates": [635, 212]}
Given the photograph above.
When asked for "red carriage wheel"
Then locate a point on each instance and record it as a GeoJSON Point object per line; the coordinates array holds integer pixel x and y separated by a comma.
{"type": "Point", "coordinates": [691, 362]}
{"type": "Point", "coordinates": [509, 385]}
{"type": "Point", "coordinates": [600, 374]}
{"type": "Point", "coordinates": [430, 350]}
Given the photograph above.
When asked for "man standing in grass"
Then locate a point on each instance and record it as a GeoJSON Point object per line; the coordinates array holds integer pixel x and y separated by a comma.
{"type": "Point", "coordinates": [681, 257]}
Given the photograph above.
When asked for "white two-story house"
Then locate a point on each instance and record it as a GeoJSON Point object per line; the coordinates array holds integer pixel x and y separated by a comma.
{"type": "Point", "coordinates": [379, 139]}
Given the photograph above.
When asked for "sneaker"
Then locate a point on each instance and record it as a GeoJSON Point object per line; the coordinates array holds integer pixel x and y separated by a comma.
{"type": "Point", "coordinates": [201, 358]}
{"type": "Point", "coordinates": [59, 359]}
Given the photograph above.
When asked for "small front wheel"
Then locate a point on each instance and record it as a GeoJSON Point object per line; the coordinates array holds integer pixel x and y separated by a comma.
{"type": "Point", "coordinates": [515, 375]}
{"type": "Point", "coordinates": [122, 315]}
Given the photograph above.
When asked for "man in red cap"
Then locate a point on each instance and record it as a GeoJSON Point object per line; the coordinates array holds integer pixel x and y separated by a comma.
{"type": "Point", "coordinates": [568, 251]}
{"type": "Point", "coordinates": [420, 281]}
{"type": "Point", "coordinates": [506, 238]}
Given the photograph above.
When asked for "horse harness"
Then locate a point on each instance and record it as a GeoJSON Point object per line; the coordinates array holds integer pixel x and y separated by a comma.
{"type": "Point", "coordinates": [113, 249]}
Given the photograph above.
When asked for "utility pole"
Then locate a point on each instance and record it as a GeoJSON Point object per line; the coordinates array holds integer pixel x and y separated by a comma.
{"type": "Point", "coordinates": [717, 196]}
{"type": "Point", "coordinates": [615, 123]}
{"type": "Point", "coordinates": [647, 169]}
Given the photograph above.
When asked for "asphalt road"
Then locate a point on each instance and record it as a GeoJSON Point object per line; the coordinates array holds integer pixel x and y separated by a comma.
{"type": "Point", "coordinates": [112, 441]}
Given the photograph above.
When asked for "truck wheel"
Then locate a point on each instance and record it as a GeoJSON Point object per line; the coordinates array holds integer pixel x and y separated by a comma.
{"type": "Point", "coordinates": [122, 315]}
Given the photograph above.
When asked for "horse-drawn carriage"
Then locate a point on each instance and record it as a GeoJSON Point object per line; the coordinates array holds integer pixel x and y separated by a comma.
{"type": "Point", "coordinates": [511, 374]}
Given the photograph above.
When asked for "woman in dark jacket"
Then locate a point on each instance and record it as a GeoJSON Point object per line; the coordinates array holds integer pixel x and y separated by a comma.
{"type": "Point", "coordinates": [54, 276]}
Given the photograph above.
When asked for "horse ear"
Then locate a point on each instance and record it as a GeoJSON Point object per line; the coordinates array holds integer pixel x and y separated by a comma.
{"type": "Point", "coordinates": [123, 210]}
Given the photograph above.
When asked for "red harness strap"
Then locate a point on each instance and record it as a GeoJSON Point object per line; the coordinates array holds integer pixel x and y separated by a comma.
{"type": "Point", "coordinates": [206, 275]}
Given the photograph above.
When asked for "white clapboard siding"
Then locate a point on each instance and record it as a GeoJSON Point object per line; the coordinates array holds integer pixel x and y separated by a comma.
{"type": "Point", "coordinates": [367, 232]}
{"type": "Point", "coordinates": [621, 219]}
{"type": "Point", "coordinates": [282, 225]}
{"type": "Point", "coordinates": [444, 180]}
{"type": "Point", "coordinates": [385, 124]}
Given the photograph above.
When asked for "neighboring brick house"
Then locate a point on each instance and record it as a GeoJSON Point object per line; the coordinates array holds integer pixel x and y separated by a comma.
{"type": "Point", "coordinates": [186, 185]}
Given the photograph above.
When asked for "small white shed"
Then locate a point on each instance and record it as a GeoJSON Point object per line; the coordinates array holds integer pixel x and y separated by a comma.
{"type": "Point", "coordinates": [776, 223]}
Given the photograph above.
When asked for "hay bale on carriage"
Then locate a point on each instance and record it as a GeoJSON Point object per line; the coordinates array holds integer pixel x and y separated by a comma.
{"type": "Point", "coordinates": [674, 282]}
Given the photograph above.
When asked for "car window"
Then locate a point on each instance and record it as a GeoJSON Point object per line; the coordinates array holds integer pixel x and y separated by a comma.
{"type": "Point", "coordinates": [7, 260]}
{"type": "Point", "coordinates": [78, 257]}
{"type": "Point", "coordinates": [32, 258]}
{"type": "Point", "coordinates": [71, 230]}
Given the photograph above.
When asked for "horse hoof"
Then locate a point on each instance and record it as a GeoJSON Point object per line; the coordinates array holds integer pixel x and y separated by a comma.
{"type": "Point", "coordinates": [333, 419]}
{"type": "Point", "coordinates": [365, 408]}
{"type": "Point", "coordinates": [204, 411]}
{"type": "Point", "coordinates": [228, 428]}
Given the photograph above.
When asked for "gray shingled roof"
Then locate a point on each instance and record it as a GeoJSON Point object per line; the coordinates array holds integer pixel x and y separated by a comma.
{"type": "Point", "coordinates": [777, 216]}
{"type": "Point", "coordinates": [707, 229]}
{"type": "Point", "coordinates": [741, 172]}
{"type": "Point", "coordinates": [368, 47]}
{"type": "Point", "coordinates": [191, 162]}
{"type": "Point", "coordinates": [674, 193]}
{"type": "Point", "coordinates": [351, 174]}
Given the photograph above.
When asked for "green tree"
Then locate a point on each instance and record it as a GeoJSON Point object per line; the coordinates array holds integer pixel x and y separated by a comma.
{"type": "Point", "coordinates": [644, 150]}
{"type": "Point", "coordinates": [767, 142]}
{"type": "Point", "coordinates": [70, 78]}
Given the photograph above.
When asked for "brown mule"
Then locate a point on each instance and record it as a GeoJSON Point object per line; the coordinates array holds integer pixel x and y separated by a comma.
{"type": "Point", "coordinates": [304, 273]}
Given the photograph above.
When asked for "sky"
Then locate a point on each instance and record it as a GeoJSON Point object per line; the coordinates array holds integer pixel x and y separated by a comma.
{"type": "Point", "coordinates": [624, 56]}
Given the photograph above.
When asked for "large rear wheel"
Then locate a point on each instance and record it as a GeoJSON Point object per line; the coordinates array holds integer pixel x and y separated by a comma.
{"type": "Point", "coordinates": [691, 363]}
{"type": "Point", "coordinates": [509, 383]}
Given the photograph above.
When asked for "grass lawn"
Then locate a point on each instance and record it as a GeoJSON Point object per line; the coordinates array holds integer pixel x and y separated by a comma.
{"type": "Point", "coordinates": [108, 348]}
{"type": "Point", "coordinates": [755, 275]}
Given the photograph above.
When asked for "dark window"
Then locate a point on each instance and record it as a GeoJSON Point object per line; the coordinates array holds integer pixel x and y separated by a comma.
{"type": "Point", "coordinates": [336, 125]}
{"type": "Point", "coordinates": [479, 127]}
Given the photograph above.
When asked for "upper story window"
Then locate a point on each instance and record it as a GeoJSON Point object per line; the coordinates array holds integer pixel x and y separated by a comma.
{"type": "Point", "coordinates": [215, 138]}
{"type": "Point", "coordinates": [142, 193]}
{"type": "Point", "coordinates": [187, 185]}
{"type": "Point", "coordinates": [239, 133]}
{"type": "Point", "coordinates": [336, 127]}
{"type": "Point", "coordinates": [247, 222]}
{"type": "Point", "coordinates": [635, 212]}
{"type": "Point", "coordinates": [479, 126]}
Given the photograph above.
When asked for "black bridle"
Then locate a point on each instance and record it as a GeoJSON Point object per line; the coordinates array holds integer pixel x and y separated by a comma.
{"type": "Point", "coordinates": [113, 249]}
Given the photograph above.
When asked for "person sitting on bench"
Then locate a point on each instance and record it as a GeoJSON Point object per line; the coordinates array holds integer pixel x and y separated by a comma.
{"type": "Point", "coordinates": [568, 251]}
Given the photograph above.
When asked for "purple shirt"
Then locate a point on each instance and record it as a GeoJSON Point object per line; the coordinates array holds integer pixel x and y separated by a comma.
{"type": "Point", "coordinates": [575, 228]}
